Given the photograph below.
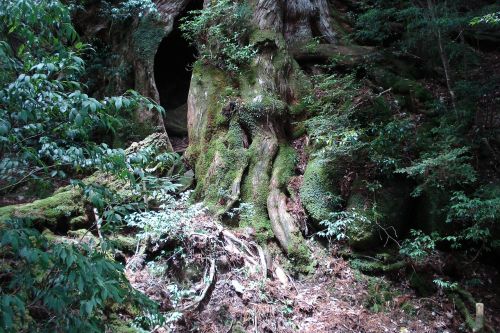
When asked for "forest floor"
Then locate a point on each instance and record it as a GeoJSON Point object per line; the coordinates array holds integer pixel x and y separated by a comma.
{"type": "Point", "coordinates": [241, 289]}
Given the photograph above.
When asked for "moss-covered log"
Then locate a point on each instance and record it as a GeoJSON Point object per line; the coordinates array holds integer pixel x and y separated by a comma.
{"type": "Point", "coordinates": [63, 210]}
{"type": "Point", "coordinates": [67, 208]}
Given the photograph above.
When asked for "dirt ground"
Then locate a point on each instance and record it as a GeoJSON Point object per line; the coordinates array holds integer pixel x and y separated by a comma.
{"type": "Point", "coordinates": [237, 287]}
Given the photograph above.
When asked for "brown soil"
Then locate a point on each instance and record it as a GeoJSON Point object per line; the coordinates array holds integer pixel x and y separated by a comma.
{"type": "Point", "coordinates": [239, 298]}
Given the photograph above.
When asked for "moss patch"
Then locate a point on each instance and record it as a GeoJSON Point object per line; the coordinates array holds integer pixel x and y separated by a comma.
{"type": "Point", "coordinates": [222, 168]}
{"type": "Point", "coordinates": [317, 192]}
{"type": "Point", "coordinates": [54, 212]}
{"type": "Point", "coordinates": [300, 256]}
{"type": "Point", "coordinates": [147, 37]}
{"type": "Point", "coordinates": [284, 165]}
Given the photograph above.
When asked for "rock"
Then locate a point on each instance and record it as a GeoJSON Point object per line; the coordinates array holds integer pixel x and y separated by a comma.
{"type": "Point", "coordinates": [237, 287]}
{"type": "Point", "coordinates": [281, 275]}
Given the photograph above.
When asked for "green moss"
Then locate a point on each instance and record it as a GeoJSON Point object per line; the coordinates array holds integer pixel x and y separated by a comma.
{"type": "Point", "coordinates": [300, 256]}
{"type": "Point", "coordinates": [261, 224]}
{"type": "Point", "coordinates": [362, 232]}
{"type": "Point", "coordinates": [222, 166]}
{"type": "Point", "coordinates": [284, 165]}
{"type": "Point", "coordinates": [79, 233]}
{"type": "Point", "coordinates": [255, 190]}
{"type": "Point", "coordinates": [49, 235]}
{"type": "Point", "coordinates": [78, 222]}
{"type": "Point", "coordinates": [123, 243]}
{"type": "Point", "coordinates": [52, 212]}
{"type": "Point", "coordinates": [147, 37]}
{"type": "Point", "coordinates": [401, 85]}
{"type": "Point", "coordinates": [264, 38]}
{"type": "Point", "coordinates": [317, 192]}
{"type": "Point", "coordinates": [257, 108]}
{"type": "Point", "coordinates": [208, 82]}
{"type": "Point", "coordinates": [374, 266]}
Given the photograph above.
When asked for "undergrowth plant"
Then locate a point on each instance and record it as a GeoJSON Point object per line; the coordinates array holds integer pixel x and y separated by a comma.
{"type": "Point", "coordinates": [220, 32]}
{"type": "Point", "coordinates": [127, 9]}
{"type": "Point", "coordinates": [167, 223]}
{"type": "Point", "coordinates": [48, 286]}
{"type": "Point", "coordinates": [47, 121]}
{"type": "Point", "coordinates": [339, 223]}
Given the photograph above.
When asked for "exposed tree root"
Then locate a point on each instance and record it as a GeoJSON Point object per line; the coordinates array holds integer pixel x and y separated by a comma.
{"type": "Point", "coordinates": [197, 304]}
{"type": "Point", "coordinates": [241, 289]}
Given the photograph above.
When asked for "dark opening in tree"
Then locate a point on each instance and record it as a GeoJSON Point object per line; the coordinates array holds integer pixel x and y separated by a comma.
{"type": "Point", "coordinates": [172, 71]}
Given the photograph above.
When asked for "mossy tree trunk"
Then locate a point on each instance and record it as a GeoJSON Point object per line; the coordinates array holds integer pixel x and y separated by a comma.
{"type": "Point", "coordinates": [133, 44]}
{"type": "Point", "coordinates": [237, 122]}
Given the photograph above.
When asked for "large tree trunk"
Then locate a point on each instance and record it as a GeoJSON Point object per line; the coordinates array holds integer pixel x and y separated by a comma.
{"type": "Point", "coordinates": [298, 20]}
{"type": "Point", "coordinates": [237, 146]}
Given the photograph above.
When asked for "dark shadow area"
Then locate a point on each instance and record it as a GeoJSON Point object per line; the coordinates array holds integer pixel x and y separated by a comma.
{"type": "Point", "coordinates": [172, 71]}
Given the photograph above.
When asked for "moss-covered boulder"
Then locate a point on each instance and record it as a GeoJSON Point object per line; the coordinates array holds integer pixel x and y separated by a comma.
{"type": "Point", "coordinates": [63, 210]}
{"type": "Point", "coordinates": [379, 216]}
{"type": "Point", "coordinates": [319, 191]}
{"type": "Point", "coordinates": [411, 91]}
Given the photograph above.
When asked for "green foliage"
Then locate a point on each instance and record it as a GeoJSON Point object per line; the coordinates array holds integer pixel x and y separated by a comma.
{"type": "Point", "coordinates": [171, 220]}
{"type": "Point", "coordinates": [474, 222]}
{"type": "Point", "coordinates": [312, 45]}
{"type": "Point", "coordinates": [47, 121]}
{"type": "Point", "coordinates": [419, 246]}
{"type": "Point", "coordinates": [374, 26]}
{"type": "Point", "coordinates": [446, 285]}
{"type": "Point", "coordinates": [57, 287]}
{"type": "Point", "coordinates": [419, 27]}
{"type": "Point", "coordinates": [339, 224]}
{"type": "Point", "coordinates": [441, 169]}
{"type": "Point", "coordinates": [221, 33]}
{"type": "Point", "coordinates": [492, 19]}
{"type": "Point", "coordinates": [128, 9]}
{"type": "Point", "coordinates": [477, 216]}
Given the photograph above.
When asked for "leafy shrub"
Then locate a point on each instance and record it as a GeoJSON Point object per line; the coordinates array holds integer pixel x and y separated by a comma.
{"type": "Point", "coordinates": [492, 18]}
{"type": "Point", "coordinates": [334, 126]}
{"type": "Point", "coordinates": [419, 246]}
{"type": "Point", "coordinates": [47, 122]}
{"type": "Point", "coordinates": [337, 226]}
{"type": "Point", "coordinates": [220, 33]}
{"type": "Point", "coordinates": [57, 287]}
{"type": "Point", "coordinates": [128, 9]}
{"type": "Point", "coordinates": [441, 169]}
{"type": "Point", "coordinates": [169, 221]}
{"type": "Point", "coordinates": [474, 226]}
{"type": "Point", "coordinates": [477, 216]}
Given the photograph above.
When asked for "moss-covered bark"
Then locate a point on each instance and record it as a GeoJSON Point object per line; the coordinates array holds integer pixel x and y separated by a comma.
{"type": "Point", "coordinates": [236, 125]}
